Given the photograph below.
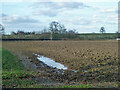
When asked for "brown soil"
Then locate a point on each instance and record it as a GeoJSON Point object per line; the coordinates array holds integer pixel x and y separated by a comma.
{"type": "Point", "coordinates": [98, 58]}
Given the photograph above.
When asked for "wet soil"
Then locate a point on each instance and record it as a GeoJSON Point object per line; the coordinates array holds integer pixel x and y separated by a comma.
{"type": "Point", "coordinates": [88, 62]}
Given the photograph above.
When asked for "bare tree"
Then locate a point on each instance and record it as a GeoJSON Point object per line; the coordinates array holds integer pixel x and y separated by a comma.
{"type": "Point", "coordinates": [2, 29]}
{"type": "Point", "coordinates": [72, 31]}
{"type": "Point", "coordinates": [54, 28]}
{"type": "Point", "coordinates": [44, 30]}
{"type": "Point", "coordinates": [62, 29]}
{"type": "Point", "coordinates": [102, 30]}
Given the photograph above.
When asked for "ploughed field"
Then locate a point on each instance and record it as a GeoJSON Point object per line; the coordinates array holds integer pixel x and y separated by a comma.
{"type": "Point", "coordinates": [87, 61]}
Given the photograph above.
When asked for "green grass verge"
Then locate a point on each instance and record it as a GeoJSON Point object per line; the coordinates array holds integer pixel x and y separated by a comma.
{"type": "Point", "coordinates": [13, 71]}
{"type": "Point", "coordinates": [14, 75]}
{"type": "Point", "coordinates": [78, 86]}
{"type": "Point", "coordinates": [57, 86]}
{"type": "Point", "coordinates": [10, 62]}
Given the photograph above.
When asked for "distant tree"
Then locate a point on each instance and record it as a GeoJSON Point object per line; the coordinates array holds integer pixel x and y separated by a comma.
{"type": "Point", "coordinates": [44, 30]}
{"type": "Point", "coordinates": [20, 32]}
{"type": "Point", "coordinates": [72, 31]}
{"type": "Point", "coordinates": [62, 29]}
{"type": "Point", "coordinates": [2, 29]}
{"type": "Point", "coordinates": [102, 30]}
{"type": "Point", "coordinates": [54, 27]}
{"type": "Point", "coordinates": [33, 32]}
{"type": "Point", "coordinates": [13, 33]}
{"type": "Point", "coordinates": [38, 32]}
{"type": "Point", "coordinates": [117, 32]}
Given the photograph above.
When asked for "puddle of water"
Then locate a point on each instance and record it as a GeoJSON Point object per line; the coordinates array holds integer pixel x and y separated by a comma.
{"type": "Point", "coordinates": [50, 62]}
{"type": "Point", "coordinates": [118, 39]}
{"type": "Point", "coordinates": [85, 70]}
{"type": "Point", "coordinates": [75, 71]}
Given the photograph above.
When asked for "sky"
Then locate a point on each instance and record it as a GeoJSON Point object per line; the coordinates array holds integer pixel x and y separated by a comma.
{"type": "Point", "coordinates": [85, 17]}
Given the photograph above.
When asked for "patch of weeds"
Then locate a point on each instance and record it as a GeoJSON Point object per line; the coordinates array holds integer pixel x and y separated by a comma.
{"type": "Point", "coordinates": [78, 86]}
{"type": "Point", "coordinates": [118, 85]}
{"type": "Point", "coordinates": [17, 83]}
{"type": "Point", "coordinates": [16, 74]}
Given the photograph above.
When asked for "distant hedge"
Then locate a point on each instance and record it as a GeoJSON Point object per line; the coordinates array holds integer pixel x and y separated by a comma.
{"type": "Point", "coordinates": [90, 36]}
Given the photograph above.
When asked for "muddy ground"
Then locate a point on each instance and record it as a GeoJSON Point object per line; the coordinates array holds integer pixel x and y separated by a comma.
{"type": "Point", "coordinates": [88, 62]}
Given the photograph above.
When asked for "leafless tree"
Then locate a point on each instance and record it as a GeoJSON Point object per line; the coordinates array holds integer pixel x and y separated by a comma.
{"type": "Point", "coordinates": [2, 29]}
{"type": "Point", "coordinates": [102, 30]}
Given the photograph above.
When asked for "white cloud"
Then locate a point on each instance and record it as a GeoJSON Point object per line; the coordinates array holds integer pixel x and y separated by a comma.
{"type": "Point", "coordinates": [96, 19]}
{"type": "Point", "coordinates": [60, 0]}
{"type": "Point", "coordinates": [78, 21]}
{"type": "Point", "coordinates": [115, 17]}
{"type": "Point", "coordinates": [112, 22]}
{"type": "Point", "coordinates": [108, 10]}
{"type": "Point", "coordinates": [111, 19]}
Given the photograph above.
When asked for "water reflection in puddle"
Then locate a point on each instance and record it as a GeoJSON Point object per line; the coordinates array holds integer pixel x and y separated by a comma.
{"type": "Point", "coordinates": [85, 70]}
{"type": "Point", "coordinates": [50, 62]}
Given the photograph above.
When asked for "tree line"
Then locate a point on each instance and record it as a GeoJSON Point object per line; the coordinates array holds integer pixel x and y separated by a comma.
{"type": "Point", "coordinates": [54, 28]}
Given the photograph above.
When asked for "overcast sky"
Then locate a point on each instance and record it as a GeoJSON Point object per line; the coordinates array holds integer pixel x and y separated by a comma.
{"type": "Point", "coordinates": [85, 17]}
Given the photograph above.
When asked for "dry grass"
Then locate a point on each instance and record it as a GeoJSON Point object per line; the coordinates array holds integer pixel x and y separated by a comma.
{"type": "Point", "coordinates": [99, 58]}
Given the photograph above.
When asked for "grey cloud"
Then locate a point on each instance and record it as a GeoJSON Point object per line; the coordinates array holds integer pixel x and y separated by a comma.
{"type": "Point", "coordinates": [59, 5]}
{"type": "Point", "coordinates": [25, 20]}
{"type": "Point", "coordinates": [17, 19]}
{"type": "Point", "coordinates": [4, 15]}
{"type": "Point", "coordinates": [50, 13]}
{"type": "Point", "coordinates": [51, 9]}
